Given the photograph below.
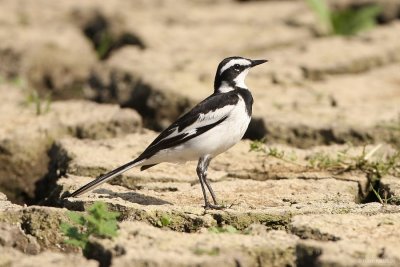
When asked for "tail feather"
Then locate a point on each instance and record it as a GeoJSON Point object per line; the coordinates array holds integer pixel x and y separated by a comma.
{"type": "Point", "coordinates": [104, 178]}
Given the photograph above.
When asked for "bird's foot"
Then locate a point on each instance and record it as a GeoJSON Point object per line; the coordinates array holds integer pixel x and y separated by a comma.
{"type": "Point", "coordinates": [209, 206]}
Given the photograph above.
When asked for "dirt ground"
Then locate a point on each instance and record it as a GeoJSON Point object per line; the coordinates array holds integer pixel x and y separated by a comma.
{"type": "Point", "coordinates": [87, 85]}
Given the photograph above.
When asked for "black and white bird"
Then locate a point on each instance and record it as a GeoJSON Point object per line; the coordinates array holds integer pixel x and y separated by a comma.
{"type": "Point", "coordinates": [210, 128]}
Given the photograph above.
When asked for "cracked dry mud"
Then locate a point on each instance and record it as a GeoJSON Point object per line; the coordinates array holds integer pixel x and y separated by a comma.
{"type": "Point", "coordinates": [304, 218]}
{"type": "Point", "coordinates": [117, 76]}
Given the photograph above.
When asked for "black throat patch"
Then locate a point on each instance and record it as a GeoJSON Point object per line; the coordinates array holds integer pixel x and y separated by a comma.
{"type": "Point", "coordinates": [247, 97]}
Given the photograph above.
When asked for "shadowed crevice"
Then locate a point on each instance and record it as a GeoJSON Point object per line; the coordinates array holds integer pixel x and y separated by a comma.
{"type": "Point", "coordinates": [104, 41]}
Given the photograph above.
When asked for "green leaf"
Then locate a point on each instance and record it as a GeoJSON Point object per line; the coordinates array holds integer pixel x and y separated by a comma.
{"type": "Point", "coordinates": [165, 220]}
{"type": "Point", "coordinates": [99, 222]}
{"type": "Point", "coordinates": [108, 229]}
{"type": "Point", "coordinates": [349, 22]}
{"type": "Point", "coordinates": [257, 146]}
{"type": "Point", "coordinates": [92, 221]}
{"type": "Point", "coordinates": [110, 215]}
{"type": "Point", "coordinates": [105, 45]}
{"type": "Point", "coordinates": [76, 242]}
{"type": "Point", "coordinates": [75, 238]}
{"type": "Point", "coordinates": [76, 218]}
{"type": "Point", "coordinates": [321, 9]}
{"type": "Point", "coordinates": [99, 211]}
{"type": "Point", "coordinates": [345, 22]}
{"type": "Point", "coordinates": [230, 229]}
{"type": "Point", "coordinates": [65, 227]}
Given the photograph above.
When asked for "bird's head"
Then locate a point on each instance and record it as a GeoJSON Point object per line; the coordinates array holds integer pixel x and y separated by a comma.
{"type": "Point", "coordinates": [232, 73]}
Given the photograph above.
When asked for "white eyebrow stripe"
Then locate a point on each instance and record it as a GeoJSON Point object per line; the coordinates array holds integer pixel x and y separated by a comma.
{"type": "Point", "coordinates": [240, 61]}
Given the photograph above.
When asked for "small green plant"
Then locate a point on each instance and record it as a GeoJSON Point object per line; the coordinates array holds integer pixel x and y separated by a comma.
{"type": "Point", "coordinates": [99, 222]}
{"type": "Point", "coordinates": [164, 221]}
{"type": "Point", "coordinates": [382, 195]}
{"type": "Point", "coordinates": [259, 146]}
{"type": "Point", "coordinates": [378, 196]}
{"type": "Point", "coordinates": [343, 162]}
{"type": "Point", "coordinates": [224, 229]}
{"type": "Point", "coordinates": [345, 22]}
{"type": "Point", "coordinates": [375, 169]}
{"type": "Point", "coordinates": [276, 153]}
{"type": "Point", "coordinates": [321, 160]}
{"type": "Point", "coordinates": [42, 106]}
{"type": "Point", "coordinates": [104, 45]}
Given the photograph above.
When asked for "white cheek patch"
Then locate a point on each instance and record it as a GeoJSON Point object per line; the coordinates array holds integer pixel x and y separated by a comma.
{"type": "Point", "coordinates": [239, 80]}
{"type": "Point", "coordinates": [239, 61]}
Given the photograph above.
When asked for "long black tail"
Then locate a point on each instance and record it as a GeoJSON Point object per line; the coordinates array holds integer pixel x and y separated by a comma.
{"type": "Point", "coordinates": [104, 178]}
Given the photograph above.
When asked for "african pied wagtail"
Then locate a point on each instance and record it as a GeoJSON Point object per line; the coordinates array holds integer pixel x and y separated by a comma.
{"type": "Point", "coordinates": [210, 128]}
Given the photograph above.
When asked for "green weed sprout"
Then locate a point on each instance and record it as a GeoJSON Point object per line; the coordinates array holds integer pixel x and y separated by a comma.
{"type": "Point", "coordinates": [99, 222]}
{"type": "Point", "coordinates": [104, 46]}
{"type": "Point", "coordinates": [259, 146]}
{"type": "Point", "coordinates": [164, 221]}
{"type": "Point", "coordinates": [374, 170]}
{"type": "Point", "coordinates": [345, 22]}
{"type": "Point", "coordinates": [42, 106]}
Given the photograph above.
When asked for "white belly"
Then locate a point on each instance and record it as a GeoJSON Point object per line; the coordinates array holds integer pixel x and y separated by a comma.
{"type": "Point", "coordinates": [213, 142]}
{"type": "Point", "coordinates": [222, 137]}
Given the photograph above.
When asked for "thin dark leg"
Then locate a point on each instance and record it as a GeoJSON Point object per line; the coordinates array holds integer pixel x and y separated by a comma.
{"type": "Point", "coordinates": [199, 171]}
{"type": "Point", "coordinates": [211, 190]}
{"type": "Point", "coordinates": [206, 163]}
{"type": "Point", "coordinates": [202, 173]}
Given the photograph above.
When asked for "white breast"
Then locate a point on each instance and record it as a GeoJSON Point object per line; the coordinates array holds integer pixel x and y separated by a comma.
{"type": "Point", "coordinates": [222, 137]}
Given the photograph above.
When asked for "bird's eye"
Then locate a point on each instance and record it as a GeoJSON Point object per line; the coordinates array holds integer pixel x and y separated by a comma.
{"type": "Point", "coordinates": [236, 67]}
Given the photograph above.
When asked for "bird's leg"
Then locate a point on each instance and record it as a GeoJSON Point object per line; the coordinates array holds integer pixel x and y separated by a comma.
{"type": "Point", "coordinates": [199, 171]}
{"type": "Point", "coordinates": [206, 163]}
{"type": "Point", "coordinates": [202, 173]}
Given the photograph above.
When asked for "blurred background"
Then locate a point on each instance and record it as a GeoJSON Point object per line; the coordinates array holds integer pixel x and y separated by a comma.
{"type": "Point", "coordinates": [332, 77]}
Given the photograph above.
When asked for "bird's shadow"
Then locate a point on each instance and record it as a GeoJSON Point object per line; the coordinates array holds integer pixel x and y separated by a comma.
{"type": "Point", "coordinates": [132, 197]}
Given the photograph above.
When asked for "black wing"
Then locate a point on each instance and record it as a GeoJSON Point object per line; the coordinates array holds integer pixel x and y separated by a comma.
{"type": "Point", "coordinates": [207, 114]}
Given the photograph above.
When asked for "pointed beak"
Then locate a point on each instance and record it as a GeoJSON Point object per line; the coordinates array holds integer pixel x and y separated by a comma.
{"type": "Point", "coordinates": [258, 62]}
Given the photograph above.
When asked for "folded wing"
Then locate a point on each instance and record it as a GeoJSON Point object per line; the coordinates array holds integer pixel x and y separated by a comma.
{"type": "Point", "coordinates": [203, 117]}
